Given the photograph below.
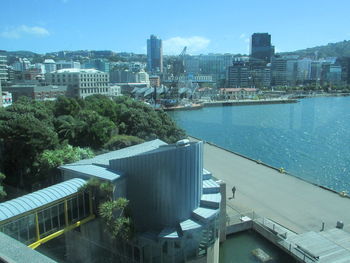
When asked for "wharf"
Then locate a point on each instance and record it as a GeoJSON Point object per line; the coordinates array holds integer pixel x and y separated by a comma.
{"type": "Point", "coordinates": [296, 204]}
{"type": "Point", "coordinates": [184, 107]}
{"type": "Point", "coordinates": [248, 102]}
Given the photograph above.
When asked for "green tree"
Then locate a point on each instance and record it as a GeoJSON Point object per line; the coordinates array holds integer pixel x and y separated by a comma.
{"type": "Point", "coordinates": [66, 106]}
{"type": "Point", "coordinates": [138, 119]}
{"type": "Point", "coordinates": [97, 130]}
{"type": "Point", "coordinates": [121, 141]}
{"type": "Point", "coordinates": [103, 105]}
{"type": "Point", "coordinates": [69, 128]}
{"type": "Point", "coordinates": [49, 160]}
{"type": "Point", "coordinates": [24, 137]}
{"type": "Point", "coordinates": [117, 219]}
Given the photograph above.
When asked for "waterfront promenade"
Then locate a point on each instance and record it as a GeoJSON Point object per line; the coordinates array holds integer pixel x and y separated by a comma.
{"type": "Point", "coordinates": [291, 202]}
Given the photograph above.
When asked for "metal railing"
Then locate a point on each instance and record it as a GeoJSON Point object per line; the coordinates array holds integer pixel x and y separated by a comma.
{"type": "Point", "coordinates": [235, 216]}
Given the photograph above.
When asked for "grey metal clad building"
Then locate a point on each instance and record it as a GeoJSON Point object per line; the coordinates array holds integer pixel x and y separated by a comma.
{"type": "Point", "coordinates": [174, 202]}
{"type": "Point", "coordinates": [164, 186]}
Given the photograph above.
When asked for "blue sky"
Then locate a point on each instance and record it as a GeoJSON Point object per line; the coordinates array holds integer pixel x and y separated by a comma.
{"type": "Point", "coordinates": [221, 26]}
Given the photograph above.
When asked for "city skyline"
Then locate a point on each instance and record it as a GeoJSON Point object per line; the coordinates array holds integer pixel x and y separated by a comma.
{"type": "Point", "coordinates": [41, 26]}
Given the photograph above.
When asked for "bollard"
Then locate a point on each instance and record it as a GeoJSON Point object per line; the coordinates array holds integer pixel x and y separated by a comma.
{"type": "Point", "coordinates": [340, 224]}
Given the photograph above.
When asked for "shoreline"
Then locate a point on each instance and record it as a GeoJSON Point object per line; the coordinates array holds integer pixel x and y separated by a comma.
{"type": "Point", "coordinates": [248, 102]}
{"type": "Point", "coordinates": [224, 103]}
{"type": "Point", "coordinates": [269, 166]}
{"type": "Point", "coordinates": [292, 99]}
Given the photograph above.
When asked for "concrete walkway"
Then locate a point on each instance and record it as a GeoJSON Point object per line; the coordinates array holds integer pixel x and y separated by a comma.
{"type": "Point", "coordinates": [294, 203]}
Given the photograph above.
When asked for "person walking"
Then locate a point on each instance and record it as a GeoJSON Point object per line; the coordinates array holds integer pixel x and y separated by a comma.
{"type": "Point", "coordinates": [233, 192]}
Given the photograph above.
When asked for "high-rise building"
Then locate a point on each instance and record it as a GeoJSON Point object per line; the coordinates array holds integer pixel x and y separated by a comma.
{"type": "Point", "coordinates": [248, 74]}
{"type": "Point", "coordinates": [279, 71]}
{"type": "Point", "coordinates": [238, 75]}
{"type": "Point", "coordinates": [3, 73]}
{"type": "Point", "coordinates": [154, 54]}
{"type": "Point", "coordinates": [260, 47]}
{"type": "Point", "coordinates": [344, 62]}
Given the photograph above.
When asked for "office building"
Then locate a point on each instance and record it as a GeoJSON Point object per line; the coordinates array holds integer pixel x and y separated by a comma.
{"type": "Point", "coordinates": [261, 48]}
{"type": "Point", "coordinates": [98, 64]}
{"type": "Point", "coordinates": [344, 62]}
{"type": "Point", "coordinates": [154, 54]}
{"type": "Point", "coordinates": [21, 64]}
{"type": "Point", "coordinates": [50, 65]}
{"type": "Point", "coordinates": [239, 75]}
{"type": "Point", "coordinates": [6, 98]}
{"type": "Point", "coordinates": [3, 73]}
{"type": "Point", "coordinates": [304, 70]}
{"type": "Point", "coordinates": [62, 64]}
{"type": "Point", "coordinates": [154, 81]}
{"type": "Point", "coordinates": [35, 91]}
{"type": "Point", "coordinates": [335, 75]}
{"type": "Point", "coordinates": [122, 76]}
{"type": "Point", "coordinates": [142, 77]}
{"type": "Point", "coordinates": [80, 82]}
{"type": "Point", "coordinates": [279, 72]}
{"type": "Point", "coordinates": [315, 74]}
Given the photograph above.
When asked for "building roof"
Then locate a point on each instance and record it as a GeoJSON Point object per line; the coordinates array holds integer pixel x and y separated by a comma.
{"type": "Point", "coordinates": [91, 170]}
{"type": "Point", "coordinates": [103, 159]}
{"type": "Point", "coordinates": [39, 198]}
{"type": "Point", "coordinates": [46, 61]}
{"type": "Point", "coordinates": [78, 70]}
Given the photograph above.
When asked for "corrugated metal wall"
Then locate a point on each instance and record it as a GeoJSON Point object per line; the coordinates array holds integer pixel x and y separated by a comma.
{"type": "Point", "coordinates": [163, 186]}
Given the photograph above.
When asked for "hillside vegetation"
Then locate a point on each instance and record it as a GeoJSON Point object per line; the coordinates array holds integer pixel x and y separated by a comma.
{"type": "Point", "coordinates": [338, 49]}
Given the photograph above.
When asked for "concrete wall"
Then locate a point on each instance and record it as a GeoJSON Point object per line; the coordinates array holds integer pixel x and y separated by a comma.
{"type": "Point", "coordinates": [265, 233]}
{"type": "Point", "coordinates": [213, 252]}
{"type": "Point", "coordinates": [222, 220]}
{"type": "Point", "coordinates": [88, 244]}
{"type": "Point", "coordinates": [239, 227]}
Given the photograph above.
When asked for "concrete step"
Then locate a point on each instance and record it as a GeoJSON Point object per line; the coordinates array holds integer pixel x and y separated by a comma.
{"type": "Point", "coordinates": [210, 187]}
{"type": "Point", "coordinates": [169, 233]}
{"type": "Point", "coordinates": [203, 214]}
{"type": "Point", "coordinates": [211, 200]}
{"type": "Point", "coordinates": [189, 225]}
{"type": "Point", "coordinates": [206, 175]}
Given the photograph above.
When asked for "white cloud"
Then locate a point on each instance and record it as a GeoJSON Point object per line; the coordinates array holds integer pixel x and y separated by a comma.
{"type": "Point", "coordinates": [194, 44]}
{"type": "Point", "coordinates": [243, 35]}
{"type": "Point", "coordinates": [20, 31]}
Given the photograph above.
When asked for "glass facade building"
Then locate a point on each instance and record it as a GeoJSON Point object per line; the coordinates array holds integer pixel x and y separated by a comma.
{"type": "Point", "coordinates": [154, 54]}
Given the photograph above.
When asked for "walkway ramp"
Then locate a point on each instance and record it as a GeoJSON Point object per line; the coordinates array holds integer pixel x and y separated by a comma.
{"type": "Point", "coordinates": [36, 218]}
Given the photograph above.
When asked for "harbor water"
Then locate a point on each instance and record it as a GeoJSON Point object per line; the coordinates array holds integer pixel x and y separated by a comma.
{"type": "Point", "coordinates": [239, 248]}
{"type": "Point", "coordinates": [309, 139]}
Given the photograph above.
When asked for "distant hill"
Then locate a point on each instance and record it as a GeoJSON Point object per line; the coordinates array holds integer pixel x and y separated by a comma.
{"type": "Point", "coordinates": [338, 49]}
{"type": "Point", "coordinates": [21, 53]}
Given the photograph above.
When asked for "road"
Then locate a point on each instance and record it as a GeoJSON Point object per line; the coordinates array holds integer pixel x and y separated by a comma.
{"type": "Point", "coordinates": [292, 202]}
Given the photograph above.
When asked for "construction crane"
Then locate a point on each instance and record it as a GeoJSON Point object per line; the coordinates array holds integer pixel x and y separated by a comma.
{"type": "Point", "coordinates": [178, 69]}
